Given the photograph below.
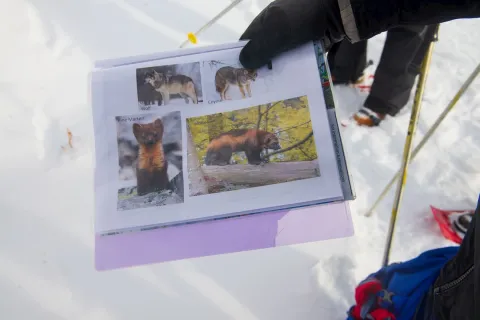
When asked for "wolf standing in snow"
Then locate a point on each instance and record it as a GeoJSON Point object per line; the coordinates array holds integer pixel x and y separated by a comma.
{"type": "Point", "coordinates": [174, 84]}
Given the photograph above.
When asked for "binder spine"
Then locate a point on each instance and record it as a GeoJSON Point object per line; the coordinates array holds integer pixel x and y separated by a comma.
{"type": "Point", "coordinates": [341, 156]}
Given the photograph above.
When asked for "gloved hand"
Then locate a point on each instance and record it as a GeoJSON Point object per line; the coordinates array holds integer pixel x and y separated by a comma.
{"type": "Point", "coordinates": [286, 24]}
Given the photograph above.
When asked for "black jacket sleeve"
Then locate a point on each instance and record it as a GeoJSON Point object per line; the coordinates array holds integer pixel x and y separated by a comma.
{"type": "Point", "coordinates": [363, 19]}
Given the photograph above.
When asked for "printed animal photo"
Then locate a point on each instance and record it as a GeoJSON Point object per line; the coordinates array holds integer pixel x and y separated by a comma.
{"type": "Point", "coordinates": [150, 169]}
{"type": "Point", "coordinates": [229, 80]}
{"type": "Point", "coordinates": [256, 146]}
{"type": "Point", "coordinates": [170, 84]}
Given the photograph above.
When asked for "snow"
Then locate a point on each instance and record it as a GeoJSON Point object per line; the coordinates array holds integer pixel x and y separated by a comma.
{"type": "Point", "coordinates": [46, 229]}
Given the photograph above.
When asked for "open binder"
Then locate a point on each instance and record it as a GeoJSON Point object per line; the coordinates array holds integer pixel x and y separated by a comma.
{"type": "Point", "coordinates": [196, 156]}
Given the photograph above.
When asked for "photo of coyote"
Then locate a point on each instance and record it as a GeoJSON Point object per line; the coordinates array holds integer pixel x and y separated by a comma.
{"type": "Point", "coordinates": [240, 77]}
{"type": "Point", "coordinates": [229, 80]}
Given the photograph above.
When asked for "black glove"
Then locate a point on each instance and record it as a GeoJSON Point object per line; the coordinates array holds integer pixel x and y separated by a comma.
{"type": "Point", "coordinates": [286, 24]}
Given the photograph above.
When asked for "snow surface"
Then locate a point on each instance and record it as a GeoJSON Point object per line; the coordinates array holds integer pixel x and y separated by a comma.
{"type": "Point", "coordinates": [46, 229]}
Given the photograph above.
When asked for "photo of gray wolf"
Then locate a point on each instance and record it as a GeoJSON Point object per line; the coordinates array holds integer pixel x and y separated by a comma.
{"type": "Point", "coordinates": [170, 84]}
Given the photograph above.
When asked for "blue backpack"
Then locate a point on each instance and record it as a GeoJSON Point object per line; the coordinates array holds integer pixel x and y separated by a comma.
{"type": "Point", "coordinates": [395, 292]}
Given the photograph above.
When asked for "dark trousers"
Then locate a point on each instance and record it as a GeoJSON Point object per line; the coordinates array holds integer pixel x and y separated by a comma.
{"type": "Point", "coordinates": [456, 292]}
{"type": "Point", "coordinates": [400, 62]}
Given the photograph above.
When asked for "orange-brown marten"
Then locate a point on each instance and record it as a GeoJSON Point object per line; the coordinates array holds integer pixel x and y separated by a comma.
{"type": "Point", "coordinates": [250, 141]}
{"type": "Point", "coordinates": [151, 165]}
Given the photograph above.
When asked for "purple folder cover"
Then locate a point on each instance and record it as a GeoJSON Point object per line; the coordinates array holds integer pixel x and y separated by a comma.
{"type": "Point", "coordinates": [257, 231]}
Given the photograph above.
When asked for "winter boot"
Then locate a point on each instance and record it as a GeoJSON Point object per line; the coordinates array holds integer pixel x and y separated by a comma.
{"type": "Point", "coordinates": [368, 118]}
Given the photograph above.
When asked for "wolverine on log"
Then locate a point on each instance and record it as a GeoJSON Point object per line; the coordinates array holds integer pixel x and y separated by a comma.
{"type": "Point", "coordinates": [250, 141]}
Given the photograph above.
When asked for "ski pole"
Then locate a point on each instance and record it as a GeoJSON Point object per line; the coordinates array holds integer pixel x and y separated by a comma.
{"type": "Point", "coordinates": [429, 133]}
{"type": "Point", "coordinates": [213, 20]}
{"type": "Point", "coordinates": [417, 103]}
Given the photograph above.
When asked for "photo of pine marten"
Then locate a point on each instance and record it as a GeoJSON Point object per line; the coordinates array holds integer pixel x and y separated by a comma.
{"type": "Point", "coordinates": [170, 84]}
{"type": "Point", "coordinates": [251, 147]}
{"type": "Point", "coordinates": [152, 166]}
{"type": "Point", "coordinates": [150, 160]}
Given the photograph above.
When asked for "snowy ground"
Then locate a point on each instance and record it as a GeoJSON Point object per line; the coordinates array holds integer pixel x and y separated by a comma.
{"type": "Point", "coordinates": [46, 228]}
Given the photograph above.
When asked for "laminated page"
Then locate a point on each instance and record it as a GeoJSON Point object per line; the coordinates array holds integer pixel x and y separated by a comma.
{"type": "Point", "coordinates": [193, 136]}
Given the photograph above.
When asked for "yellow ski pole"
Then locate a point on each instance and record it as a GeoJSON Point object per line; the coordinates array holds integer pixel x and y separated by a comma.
{"type": "Point", "coordinates": [417, 103]}
{"type": "Point", "coordinates": [427, 136]}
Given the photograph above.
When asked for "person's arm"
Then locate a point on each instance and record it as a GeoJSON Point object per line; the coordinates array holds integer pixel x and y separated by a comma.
{"type": "Point", "coordinates": [363, 19]}
{"type": "Point", "coordinates": [285, 24]}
